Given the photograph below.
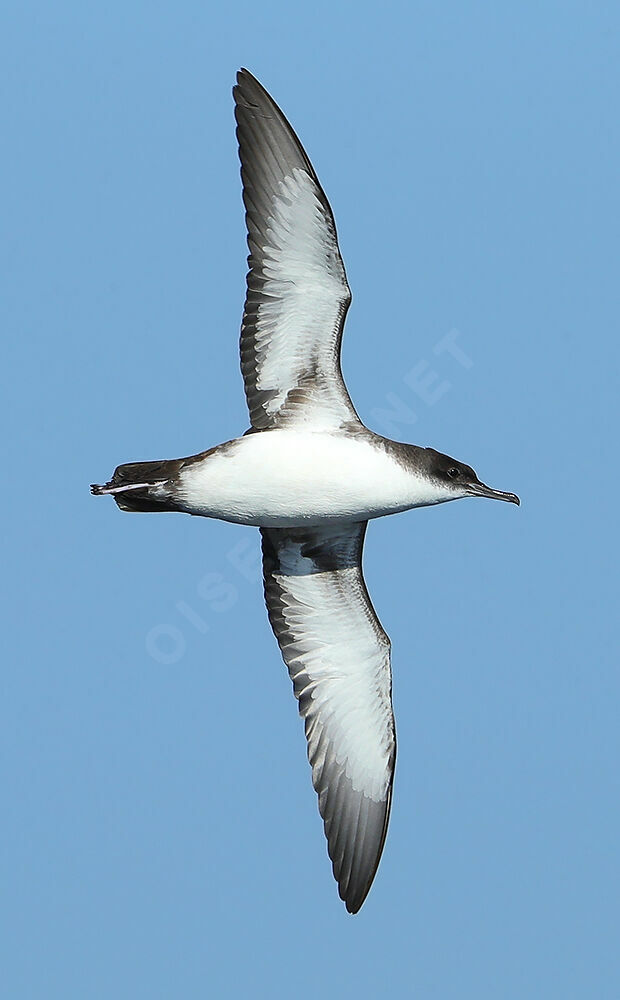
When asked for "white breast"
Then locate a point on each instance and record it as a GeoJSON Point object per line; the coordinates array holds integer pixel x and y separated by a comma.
{"type": "Point", "coordinates": [286, 477]}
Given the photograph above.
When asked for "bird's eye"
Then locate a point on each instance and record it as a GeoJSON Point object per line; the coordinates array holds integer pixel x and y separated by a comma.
{"type": "Point", "coordinates": [453, 473]}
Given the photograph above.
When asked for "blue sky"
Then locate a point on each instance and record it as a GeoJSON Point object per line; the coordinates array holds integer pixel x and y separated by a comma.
{"type": "Point", "coordinates": [161, 837]}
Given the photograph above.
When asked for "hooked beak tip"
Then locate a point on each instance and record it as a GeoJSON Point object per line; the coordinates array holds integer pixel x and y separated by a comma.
{"type": "Point", "coordinates": [480, 490]}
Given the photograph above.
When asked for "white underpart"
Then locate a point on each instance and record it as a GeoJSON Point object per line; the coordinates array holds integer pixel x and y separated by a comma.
{"type": "Point", "coordinates": [283, 478]}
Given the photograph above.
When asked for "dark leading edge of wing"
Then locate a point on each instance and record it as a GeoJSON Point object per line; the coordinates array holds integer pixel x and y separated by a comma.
{"type": "Point", "coordinates": [297, 291]}
{"type": "Point", "coordinates": [338, 657]}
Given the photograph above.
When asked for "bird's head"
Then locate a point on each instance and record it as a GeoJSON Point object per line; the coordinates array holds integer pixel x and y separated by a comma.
{"type": "Point", "coordinates": [454, 480]}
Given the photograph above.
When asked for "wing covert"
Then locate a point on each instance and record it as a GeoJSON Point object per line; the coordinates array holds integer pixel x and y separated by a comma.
{"type": "Point", "coordinates": [338, 657]}
{"type": "Point", "coordinates": [297, 291]}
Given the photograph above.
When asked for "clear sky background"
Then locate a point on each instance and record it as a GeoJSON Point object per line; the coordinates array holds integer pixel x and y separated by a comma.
{"type": "Point", "coordinates": [160, 834]}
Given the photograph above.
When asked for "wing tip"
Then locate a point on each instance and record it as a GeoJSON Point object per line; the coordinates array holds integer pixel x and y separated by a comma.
{"type": "Point", "coordinates": [356, 880]}
{"type": "Point", "coordinates": [354, 901]}
{"type": "Point", "coordinates": [246, 82]}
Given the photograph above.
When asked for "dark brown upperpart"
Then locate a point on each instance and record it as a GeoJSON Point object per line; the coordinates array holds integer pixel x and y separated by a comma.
{"type": "Point", "coordinates": [143, 499]}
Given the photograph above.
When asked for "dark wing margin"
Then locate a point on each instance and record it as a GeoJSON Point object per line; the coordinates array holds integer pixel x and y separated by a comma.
{"type": "Point", "coordinates": [338, 657]}
{"type": "Point", "coordinates": [297, 291]}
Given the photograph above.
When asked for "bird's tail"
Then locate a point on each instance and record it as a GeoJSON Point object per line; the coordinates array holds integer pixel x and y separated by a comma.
{"type": "Point", "coordinates": [142, 486]}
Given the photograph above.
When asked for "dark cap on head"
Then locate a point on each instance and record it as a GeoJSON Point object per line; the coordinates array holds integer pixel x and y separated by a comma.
{"type": "Point", "coordinates": [448, 470]}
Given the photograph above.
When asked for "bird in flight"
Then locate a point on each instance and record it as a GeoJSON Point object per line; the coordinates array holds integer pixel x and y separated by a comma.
{"type": "Point", "coordinates": [310, 476]}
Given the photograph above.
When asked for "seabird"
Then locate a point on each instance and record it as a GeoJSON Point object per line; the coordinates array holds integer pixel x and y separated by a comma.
{"type": "Point", "coordinates": [310, 475]}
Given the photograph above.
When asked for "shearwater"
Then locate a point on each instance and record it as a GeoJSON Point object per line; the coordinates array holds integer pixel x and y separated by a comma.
{"type": "Point", "coordinates": [310, 475]}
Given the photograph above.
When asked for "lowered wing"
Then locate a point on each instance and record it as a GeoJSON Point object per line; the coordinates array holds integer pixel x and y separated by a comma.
{"type": "Point", "coordinates": [338, 657]}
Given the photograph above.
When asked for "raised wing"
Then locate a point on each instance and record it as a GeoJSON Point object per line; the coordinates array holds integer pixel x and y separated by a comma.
{"type": "Point", "coordinates": [338, 657]}
{"type": "Point", "coordinates": [297, 292]}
